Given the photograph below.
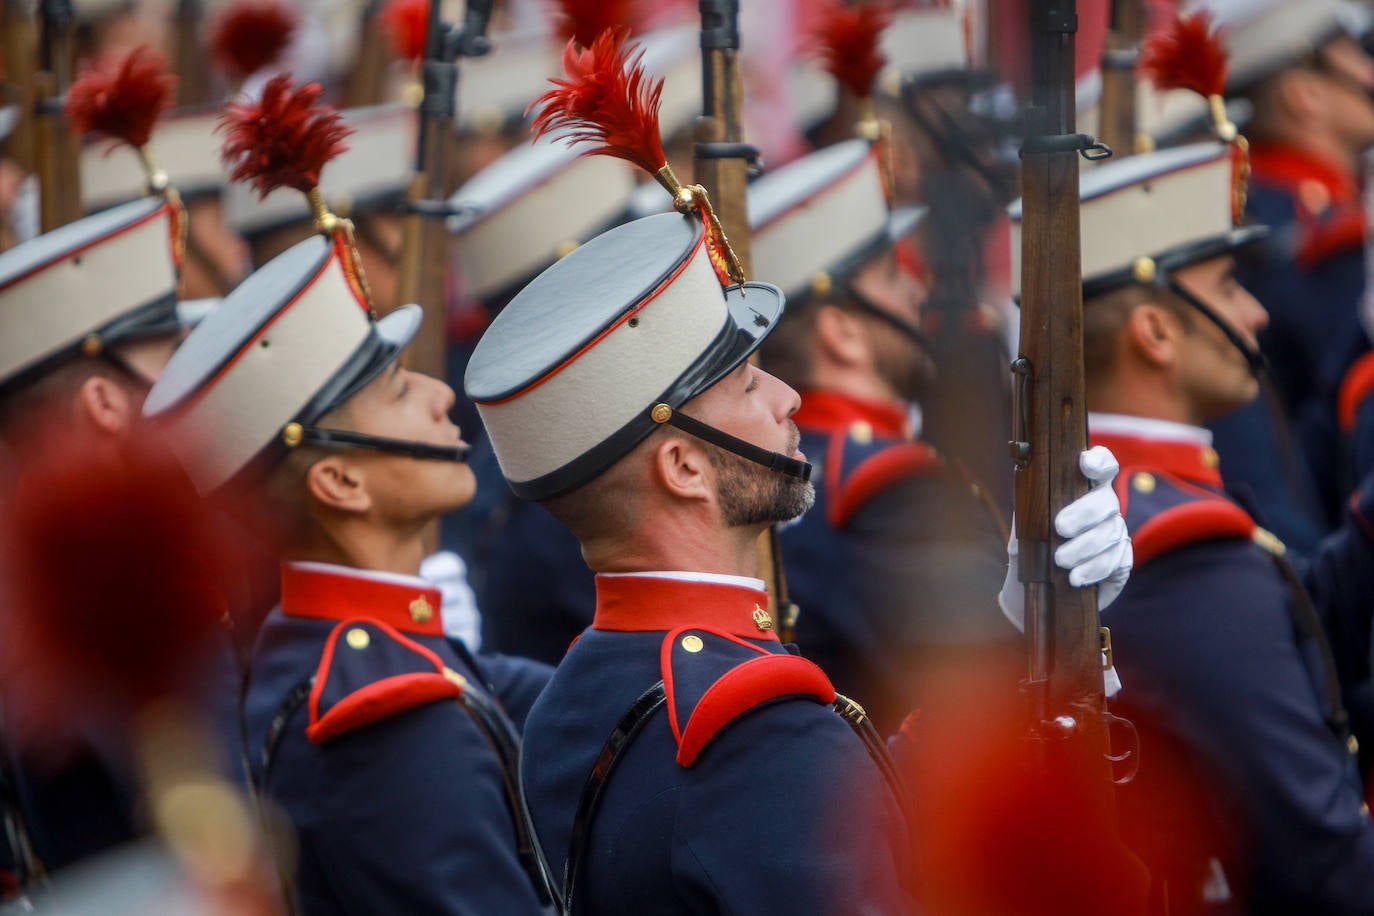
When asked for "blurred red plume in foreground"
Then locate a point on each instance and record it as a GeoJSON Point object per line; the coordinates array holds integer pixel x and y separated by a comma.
{"type": "Point", "coordinates": [116, 575]}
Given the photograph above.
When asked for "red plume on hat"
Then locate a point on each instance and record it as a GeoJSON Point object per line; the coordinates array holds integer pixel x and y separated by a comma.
{"type": "Point", "coordinates": [121, 99]}
{"type": "Point", "coordinates": [407, 25]}
{"type": "Point", "coordinates": [283, 139]}
{"type": "Point", "coordinates": [583, 21]}
{"type": "Point", "coordinates": [606, 99]}
{"type": "Point", "coordinates": [847, 40]}
{"type": "Point", "coordinates": [249, 35]}
{"type": "Point", "coordinates": [1188, 54]}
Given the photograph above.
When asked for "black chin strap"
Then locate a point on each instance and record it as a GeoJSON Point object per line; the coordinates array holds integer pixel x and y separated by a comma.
{"type": "Point", "coordinates": [295, 434]}
{"type": "Point", "coordinates": [774, 461]}
{"type": "Point", "coordinates": [905, 328]}
{"type": "Point", "coordinates": [1259, 364]}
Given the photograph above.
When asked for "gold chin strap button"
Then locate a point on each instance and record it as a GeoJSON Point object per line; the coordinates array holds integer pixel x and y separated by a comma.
{"type": "Point", "coordinates": [661, 413]}
{"type": "Point", "coordinates": [1144, 270]}
{"type": "Point", "coordinates": [91, 345]}
{"type": "Point", "coordinates": [291, 434]}
{"type": "Point", "coordinates": [821, 284]}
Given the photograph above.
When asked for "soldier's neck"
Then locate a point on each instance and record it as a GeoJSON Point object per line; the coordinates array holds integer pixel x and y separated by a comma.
{"type": "Point", "coordinates": [363, 545]}
{"type": "Point", "coordinates": [729, 551]}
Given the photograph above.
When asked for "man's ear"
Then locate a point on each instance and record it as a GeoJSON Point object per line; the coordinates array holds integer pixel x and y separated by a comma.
{"type": "Point", "coordinates": [682, 468]}
{"type": "Point", "coordinates": [1153, 334]}
{"type": "Point", "coordinates": [107, 405]}
{"type": "Point", "coordinates": [338, 484]}
{"type": "Point", "coordinates": [840, 336]}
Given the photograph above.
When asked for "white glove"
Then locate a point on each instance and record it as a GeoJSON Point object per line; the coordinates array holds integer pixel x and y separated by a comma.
{"type": "Point", "coordinates": [1096, 550]}
{"type": "Point", "coordinates": [461, 617]}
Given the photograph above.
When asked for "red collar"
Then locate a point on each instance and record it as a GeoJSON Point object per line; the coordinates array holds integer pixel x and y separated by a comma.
{"type": "Point", "coordinates": [1292, 167]}
{"type": "Point", "coordinates": [832, 412]}
{"type": "Point", "coordinates": [638, 604]}
{"type": "Point", "coordinates": [338, 593]}
{"type": "Point", "coordinates": [1191, 461]}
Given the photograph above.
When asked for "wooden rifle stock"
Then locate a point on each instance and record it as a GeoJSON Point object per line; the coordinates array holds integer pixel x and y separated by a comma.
{"type": "Point", "coordinates": [425, 246]}
{"type": "Point", "coordinates": [1118, 110]}
{"type": "Point", "coordinates": [56, 150]}
{"type": "Point", "coordinates": [367, 85]}
{"type": "Point", "coordinates": [1065, 670]}
{"type": "Point", "coordinates": [725, 179]}
{"type": "Point", "coordinates": [191, 62]}
{"type": "Point", "coordinates": [21, 63]}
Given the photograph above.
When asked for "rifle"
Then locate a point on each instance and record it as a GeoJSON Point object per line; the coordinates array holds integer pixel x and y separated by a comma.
{"type": "Point", "coordinates": [190, 60]}
{"type": "Point", "coordinates": [20, 46]}
{"type": "Point", "coordinates": [367, 86]}
{"type": "Point", "coordinates": [424, 252]}
{"type": "Point", "coordinates": [1119, 58]}
{"type": "Point", "coordinates": [1068, 714]}
{"type": "Point", "coordinates": [721, 165]}
{"type": "Point", "coordinates": [56, 151]}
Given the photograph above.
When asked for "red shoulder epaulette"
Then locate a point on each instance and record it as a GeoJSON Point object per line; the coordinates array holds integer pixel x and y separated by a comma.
{"type": "Point", "coordinates": [711, 679]}
{"type": "Point", "coordinates": [1356, 387]}
{"type": "Point", "coordinates": [850, 488]}
{"type": "Point", "coordinates": [370, 671]}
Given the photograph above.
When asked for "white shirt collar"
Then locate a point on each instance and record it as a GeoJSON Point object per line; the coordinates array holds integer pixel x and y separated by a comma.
{"type": "Point", "coordinates": [334, 569]}
{"type": "Point", "coordinates": [1148, 428]}
{"type": "Point", "coordinates": [716, 578]}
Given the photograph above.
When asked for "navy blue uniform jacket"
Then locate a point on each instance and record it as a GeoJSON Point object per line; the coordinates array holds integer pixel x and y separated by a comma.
{"type": "Point", "coordinates": [395, 794]}
{"type": "Point", "coordinates": [746, 794]}
{"type": "Point", "coordinates": [1244, 771]}
{"type": "Point", "coordinates": [898, 562]}
{"type": "Point", "coordinates": [1310, 276]}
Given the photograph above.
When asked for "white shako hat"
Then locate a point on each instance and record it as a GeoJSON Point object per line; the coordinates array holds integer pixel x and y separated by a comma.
{"type": "Point", "coordinates": [375, 170]}
{"type": "Point", "coordinates": [816, 220]}
{"type": "Point", "coordinates": [495, 89]}
{"type": "Point", "coordinates": [609, 343]}
{"type": "Point", "coordinates": [85, 286]}
{"type": "Point", "coordinates": [185, 147]}
{"type": "Point", "coordinates": [1263, 37]}
{"type": "Point", "coordinates": [923, 44]}
{"type": "Point", "coordinates": [529, 208]}
{"type": "Point", "coordinates": [1152, 213]}
{"type": "Point", "coordinates": [1145, 217]}
{"type": "Point", "coordinates": [290, 343]}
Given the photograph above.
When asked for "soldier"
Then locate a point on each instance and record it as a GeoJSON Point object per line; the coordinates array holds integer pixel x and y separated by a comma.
{"type": "Point", "coordinates": [291, 398]}
{"type": "Point", "coordinates": [616, 392]}
{"type": "Point", "coordinates": [1301, 68]}
{"type": "Point", "coordinates": [1248, 797]}
{"type": "Point", "coordinates": [897, 556]}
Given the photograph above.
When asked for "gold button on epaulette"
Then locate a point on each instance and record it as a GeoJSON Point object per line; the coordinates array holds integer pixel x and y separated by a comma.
{"type": "Point", "coordinates": [762, 619]}
{"type": "Point", "coordinates": [861, 432]}
{"type": "Point", "coordinates": [1143, 482]}
{"type": "Point", "coordinates": [421, 611]}
{"type": "Point", "coordinates": [692, 643]}
{"type": "Point", "coordinates": [1210, 457]}
{"type": "Point", "coordinates": [1268, 541]}
{"type": "Point", "coordinates": [358, 638]}
{"type": "Point", "coordinates": [1352, 744]}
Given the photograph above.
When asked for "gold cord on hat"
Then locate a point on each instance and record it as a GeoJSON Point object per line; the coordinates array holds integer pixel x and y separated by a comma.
{"type": "Point", "coordinates": [687, 198]}
{"type": "Point", "coordinates": [327, 222]}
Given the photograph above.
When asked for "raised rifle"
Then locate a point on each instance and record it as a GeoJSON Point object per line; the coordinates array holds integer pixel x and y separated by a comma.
{"type": "Point", "coordinates": [20, 46]}
{"type": "Point", "coordinates": [720, 163]}
{"type": "Point", "coordinates": [56, 151]}
{"type": "Point", "coordinates": [424, 252]}
{"type": "Point", "coordinates": [1118, 125]}
{"type": "Point", "coordinates": [1064, 686]}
